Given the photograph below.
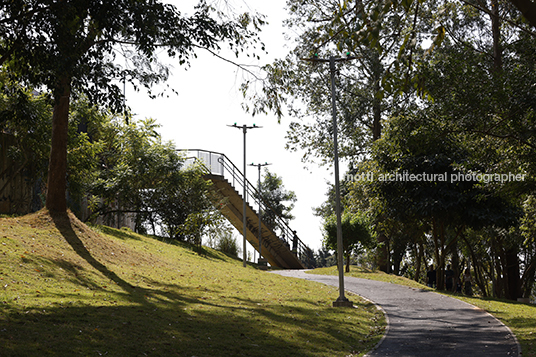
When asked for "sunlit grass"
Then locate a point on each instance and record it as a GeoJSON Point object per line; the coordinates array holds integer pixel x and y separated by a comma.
{"type": "Point", "coordinates": [520, 318]}
{"type": "Point", "coordinates": [66, 289]}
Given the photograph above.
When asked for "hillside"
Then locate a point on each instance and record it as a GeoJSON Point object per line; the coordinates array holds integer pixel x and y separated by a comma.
{"type": "Point", "coordinates": [69, 290]}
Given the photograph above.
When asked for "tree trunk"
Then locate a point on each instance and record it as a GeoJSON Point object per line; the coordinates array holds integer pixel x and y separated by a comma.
{"type": "Point", "coordinates": [496, 31]}
{"type": "Point", "coordinates": [437, 233]}
{"type": "Point", "coordinates": [527, 280]}
{"type": "Point", "coordinates": [512, 271]}
{"type": "Point", "coordinates": [422, 259]}
{"type": "Point", "coordinates": [455, 263]}
{"type": "Point", "coordinates": [417, 261]}
{"type": "Point", "coordinates": [56, 200]}
{"type": "Point", "coordinates": [498, 289]}
{"type": "Point", "coordinates": [383, 253]}
{"type": "Point", "coordinates": [480, 279]}
{"type": "Point", "coordinates": [440, 270]}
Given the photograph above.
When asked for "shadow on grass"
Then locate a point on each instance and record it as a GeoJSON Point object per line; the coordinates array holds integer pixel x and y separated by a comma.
{"type": "Point", "coordinates": [172, 328]}
{"type": "Point", "coordinates": [203, 252]}
{"type": "Point", "coordinates": [118, 233]}
{"type": "Point", "coordinates": [63, 224]}
{"type": "Point", "coordinates": [168, 320]}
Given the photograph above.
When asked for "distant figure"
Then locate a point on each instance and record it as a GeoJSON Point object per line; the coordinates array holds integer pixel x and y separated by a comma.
{"type": "Point", "coordinates": [458, 286]}
{"type": "Point", "coordinates": [467, 289]}
{"type": "Point", "coordinates": [449, 278]}
{"type": "Point", "coordinates": [431, 277]}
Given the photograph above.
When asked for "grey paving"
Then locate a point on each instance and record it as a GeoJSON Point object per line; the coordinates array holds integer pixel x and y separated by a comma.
{"type": "Point", "coordinates": [423, 323]}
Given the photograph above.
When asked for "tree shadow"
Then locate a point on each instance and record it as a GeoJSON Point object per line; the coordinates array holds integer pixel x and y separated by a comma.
{"type": "Point", "coordinates": [118, 233]}
{"type": "Point", "coordinates": [173, 326]}
{"type": "Point", "coordinates": [63, 223]}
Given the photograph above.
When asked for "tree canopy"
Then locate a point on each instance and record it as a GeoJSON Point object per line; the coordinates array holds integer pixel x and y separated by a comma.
{"type": "Point", "coordinates": [434, 89]}
{"type": "Point", "coordinates": [70, 47]}
{"type": "Point", "coordinates": [277, 197]}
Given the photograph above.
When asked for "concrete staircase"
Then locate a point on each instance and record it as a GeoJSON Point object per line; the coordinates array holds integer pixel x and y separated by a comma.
{"type": "Point", "coordinates": [277, 251]}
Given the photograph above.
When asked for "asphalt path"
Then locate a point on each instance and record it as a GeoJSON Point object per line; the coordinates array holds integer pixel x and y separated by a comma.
{"type": "Point", "coordinates": [424, 323]}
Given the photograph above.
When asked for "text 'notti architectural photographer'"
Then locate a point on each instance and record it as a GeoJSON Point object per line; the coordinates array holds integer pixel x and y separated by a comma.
{"type": "Point", "coordinates": [440, 177]}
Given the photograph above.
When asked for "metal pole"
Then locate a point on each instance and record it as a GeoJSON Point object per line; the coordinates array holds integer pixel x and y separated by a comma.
{"type": "Point", "coordinates": [260, 213]}
{"type": "Point", "coordinates": [244, 182]}
{"type": "Point", "coordinates": [341, 300]}
{"type": "Point", "coordinates": [244, 128]}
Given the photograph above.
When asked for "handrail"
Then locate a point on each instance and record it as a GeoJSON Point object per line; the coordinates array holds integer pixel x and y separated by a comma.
{"type": "Point", "coordinates": [219, 164]}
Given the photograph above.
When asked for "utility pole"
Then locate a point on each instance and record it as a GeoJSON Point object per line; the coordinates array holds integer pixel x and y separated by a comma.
{"type": "Point", "coordinates": [341, 301]}
{"type": "Point", "coordinates": [261, 261]}
{"type": "Point", "coordinates": [244, 130]}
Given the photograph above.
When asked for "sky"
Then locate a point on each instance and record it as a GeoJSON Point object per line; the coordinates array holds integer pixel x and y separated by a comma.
{"type": "Point", "coordinates": [209, 99]}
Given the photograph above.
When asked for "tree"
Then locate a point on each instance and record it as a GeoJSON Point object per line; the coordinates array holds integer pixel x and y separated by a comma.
{"type": "Point", "coordinates": [25, 132]}
{"type": "Point", "coordinates": [364, 86]}
{"type": "Point", "coordinates": [485, 86]}
{"type": "Point", "coordinates": [278, 199]}
{"type": "Point", "coordinates": [70, 46]}
{"type": "Point", "coordinates": [135, 173]}
{"type": "Point", "coordinates": [355, 233]}
{"type": "Point", "coordinates": [428, 176]}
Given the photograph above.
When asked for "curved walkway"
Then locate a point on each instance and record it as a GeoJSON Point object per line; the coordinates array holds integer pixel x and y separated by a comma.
{"type": "Point", "coordinates": [423, 323]}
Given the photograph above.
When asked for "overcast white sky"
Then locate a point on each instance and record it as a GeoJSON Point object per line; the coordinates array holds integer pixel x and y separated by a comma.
{"type": "Point", "coordinates": [209, 100]}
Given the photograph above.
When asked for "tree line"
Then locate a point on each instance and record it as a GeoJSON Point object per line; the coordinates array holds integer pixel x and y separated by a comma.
{"type": "Point", "coordinates": [115, 170]}
{"type": "Point", "coordinates": [434, 89]}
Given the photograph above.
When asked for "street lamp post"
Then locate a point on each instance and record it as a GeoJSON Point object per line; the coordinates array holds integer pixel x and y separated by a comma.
{"type": "Point", "coordinates": [244, 130]}
{"type": "Point", "coordinates": [261, 261]}
{"type": "Point", "coordinates": [341, 300]}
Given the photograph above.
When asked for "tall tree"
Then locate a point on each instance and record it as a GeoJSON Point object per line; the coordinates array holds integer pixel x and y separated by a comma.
{"type": "Point", "coordinates": [278, 199]}
{"type": "Point", "coordinates": [70, 48]}
{"type": "Point", "coordinates": [355, 232]}
{"type": "Point", "coordinates": [428, 177]}
{"type": "Point", "coordinates": [364, 87]}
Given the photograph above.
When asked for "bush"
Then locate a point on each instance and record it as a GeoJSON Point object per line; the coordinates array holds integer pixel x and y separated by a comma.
{"type": "Point", "coordinates": [226, 242]}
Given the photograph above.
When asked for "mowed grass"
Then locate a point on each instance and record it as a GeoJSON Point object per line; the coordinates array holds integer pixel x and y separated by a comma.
{"type": "Point", "coordinates": [520, 318]}
{"type": "Point", "coordinates": [68, 290]}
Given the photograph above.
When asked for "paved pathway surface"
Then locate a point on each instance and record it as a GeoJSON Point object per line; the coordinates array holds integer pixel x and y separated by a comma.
{"type": "Point", "coordinates": [423, 323]}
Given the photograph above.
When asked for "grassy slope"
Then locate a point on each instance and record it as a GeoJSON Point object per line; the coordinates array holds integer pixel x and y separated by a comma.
{"type": "Point", "coordinates": [67, 290]}
{"type": "Point", "coordinates": [521, 318]}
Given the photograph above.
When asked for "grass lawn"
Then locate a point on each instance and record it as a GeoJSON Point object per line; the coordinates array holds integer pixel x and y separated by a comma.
{"type": "Point", "coordinates": [520, 318]}
{"type": "Point", "coordinates": [68, 290]}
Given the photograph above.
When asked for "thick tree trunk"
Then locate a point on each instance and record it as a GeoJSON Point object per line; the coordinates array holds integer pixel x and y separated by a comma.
{"type": "Point", "coordinates": [56, 200]}
{"type": "Point", "coordinates": [422, 259]}
{"type": "Point", "coordinates": [498, 289]}
{"type": "Point", "coordinates": [382, 253]}
{"type": "Point", "coordinates": [512, 271]}
{"type": "Point", "coordinates": [440, 256]}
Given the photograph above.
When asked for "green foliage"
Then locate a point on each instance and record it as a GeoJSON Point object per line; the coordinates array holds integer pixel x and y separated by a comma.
{"type": "Point", "coordinates": [84, 38]}
{"type": "Point", "coordinates": [280, 200]}
{"type": "Point", "coordinates": [70, 48]}
{"type": "Point", "coordinates": [136, 173]}
{"type": "Point", "coordinates": [226, 243]}
{"type": "Point", "coordinates": [419, 146]}
{"type": "Point", "coordinates": [355, 232]}
{"type": "Point", "coordinates": [25, 130]}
